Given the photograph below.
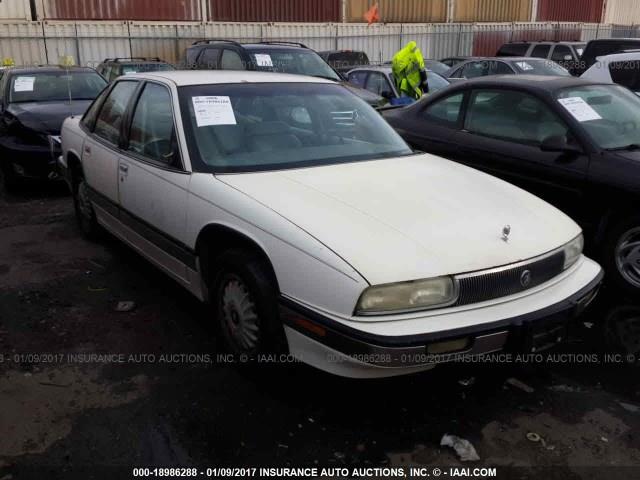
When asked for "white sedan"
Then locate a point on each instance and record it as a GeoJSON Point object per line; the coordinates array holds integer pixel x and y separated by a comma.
{"type": "Point", "coordinates": [310, 228]}
{"type": "Point", "coordinates": [620, 68]}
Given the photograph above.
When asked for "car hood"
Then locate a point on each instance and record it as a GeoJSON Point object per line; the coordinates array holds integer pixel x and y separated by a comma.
{"type": "Point", "coordinates": [411, 217]}
{"type": "Point", "coordinates": [47, 117]}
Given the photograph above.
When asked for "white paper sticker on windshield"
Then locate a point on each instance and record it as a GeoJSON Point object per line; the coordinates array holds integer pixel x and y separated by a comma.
{"type": "Point", "coordinates": [580, 109]}
{"type": "Point", "coordinates": [263, 60]}
{"type": "Point", "coordinates": [213, 111]}
{"type": "Point", "coordinates": [524, 65]}
{"type": "Point", "coordinates": [24, 84]}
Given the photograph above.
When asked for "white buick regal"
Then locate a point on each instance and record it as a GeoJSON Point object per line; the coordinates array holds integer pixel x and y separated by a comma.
{"type": "Point", "coordinates": [310, 228]}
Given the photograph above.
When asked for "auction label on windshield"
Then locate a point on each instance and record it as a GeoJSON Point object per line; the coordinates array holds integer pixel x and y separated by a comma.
{"type": "Point", "coordinates": [581, 110]}
{"type": "Point", "coordinates": [213, 111]}
{"type": "Point", "coordinates": [23, 84]}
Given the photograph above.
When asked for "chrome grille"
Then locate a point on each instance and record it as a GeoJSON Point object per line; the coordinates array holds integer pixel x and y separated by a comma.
{"type": "Point", "coordinates": [480, 287]}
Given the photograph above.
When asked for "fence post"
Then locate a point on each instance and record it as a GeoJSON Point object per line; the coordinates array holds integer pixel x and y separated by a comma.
{"type": "Point", "coordinates": [458, 39]}
{"type": "Point", "coordinates": [597, 31]}
{"type": "Point", "coordinates": [177, 43]}
{"type": "Point", "coordinates": [336, 39]}
{"type": "Point", "coordinates": [77, 44]}
{"type": "Point", "coordinates": [129, 35]}
{"type": "Point", "coordinates": [46, 50]}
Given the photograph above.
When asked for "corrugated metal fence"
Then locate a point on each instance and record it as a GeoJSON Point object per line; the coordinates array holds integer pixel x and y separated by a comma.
{"type": "Point", "coordinates": [30, 43]}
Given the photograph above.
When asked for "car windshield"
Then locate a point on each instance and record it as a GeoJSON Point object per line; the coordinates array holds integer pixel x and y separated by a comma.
{"type": "Point", "coordinates": [435, 66]}
{"type": "Point", "coordinates": [55, 86]}
{"type": "Point", "coordinates": [146, 67]}
{"type": "Point", "coordinates": [297, 61]}
{"type": "Point", "coordinates": [270, 126]}
{"type": "Point", "coordinates": [532, 66]}
{"type": "Point", "coordinates": [608, 113]}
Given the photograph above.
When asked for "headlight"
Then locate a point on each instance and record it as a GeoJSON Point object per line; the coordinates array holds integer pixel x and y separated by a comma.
{"type": "Point", "coordinates": [407, 296]}
{"type": "Point", "coordinates": [573, 250]}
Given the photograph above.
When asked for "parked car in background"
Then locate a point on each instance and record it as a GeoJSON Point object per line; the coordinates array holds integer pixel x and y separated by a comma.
{"type": "Point", "coordinates": [282, 57]}
{"type": "Point", "coordinates": [33, 104]}
{"type": "Point", "coordinates": [344, 60]}
{"type": "Point", "coordinates": [601, 47]}
{"type": "Point", "coordinates": [482, 67]}
{"type": "Point", "coordinates": [436, 66]}
{"type": "Point", "coordinates": [112, 68]}
{"type": "Point", "coordinates": [379, 80]}
{"type": "Point", "coordinates": [575, 144]}
{"type": "Point", "coordinates": [311, 227]}
{"type": "Point", "coordinates": [620, 68]}
{"type": "Point", "coordinates": [451, 61]}
{"type": "Point", "coordinates": [565, 53]}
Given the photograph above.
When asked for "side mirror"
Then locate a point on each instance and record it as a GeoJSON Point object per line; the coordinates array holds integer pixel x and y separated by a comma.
{"type": "Point", "coordinates": [558, 143]}
{"type": "Point", "coordinates": [387, 94]}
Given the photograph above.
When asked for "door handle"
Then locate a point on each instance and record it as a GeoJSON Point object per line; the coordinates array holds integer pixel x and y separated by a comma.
{"type": "Point", "coordinates": [87, 150]}
{"type": "Point", "coordinates": [124, 168]}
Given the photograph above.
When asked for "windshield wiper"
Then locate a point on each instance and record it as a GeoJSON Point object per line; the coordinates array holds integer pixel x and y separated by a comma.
{"type": "Point", "coordinates": [627, 148]}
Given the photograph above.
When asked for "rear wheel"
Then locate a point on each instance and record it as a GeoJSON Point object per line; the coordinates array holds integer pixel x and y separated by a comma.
{"type": "Point", "coordinates": [623, 254]}
{"type": "Point", "coordinates": [84, 211]}
{"type": "Point", "coordinates": [245, 303]}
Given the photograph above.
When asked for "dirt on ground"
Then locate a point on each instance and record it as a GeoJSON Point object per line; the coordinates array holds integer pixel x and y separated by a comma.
{"type": "Point", "coordinates": [87, 391]}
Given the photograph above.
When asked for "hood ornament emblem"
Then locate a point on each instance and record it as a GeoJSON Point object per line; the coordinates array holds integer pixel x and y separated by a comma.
{"type": "Point", "coordinates": [506, 231]}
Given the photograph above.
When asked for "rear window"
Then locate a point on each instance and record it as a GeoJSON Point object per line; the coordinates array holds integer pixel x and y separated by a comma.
{"type": "Point", "coordinates": [513, 50]}
{"type": "Point", "coordinates": [298, 61]}
{"type": "Point", "coordinates": [538, 66]}
{"type": "Point", "coordinates": [347, 59]}
{"type": "Point", "coordinates": [146, 67]}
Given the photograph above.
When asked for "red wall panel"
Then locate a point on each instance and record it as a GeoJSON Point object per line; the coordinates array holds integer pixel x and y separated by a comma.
{"type": "Point", "coordinates": [176, 10]}
{"type": "Point", "coordinates": [589, 11]}
{"type": "Point", "coordinates": [275, 10]}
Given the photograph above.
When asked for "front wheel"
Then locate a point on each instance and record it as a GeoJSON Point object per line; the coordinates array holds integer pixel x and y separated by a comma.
{"type": "Point", "coordinates": [8, 178]}
{"type": "Point", "coordinates": [623, 254]}
{"type": "Point", "coordinates": [245, 304]}
{"type": "Point", "coordinates": [84, 211]}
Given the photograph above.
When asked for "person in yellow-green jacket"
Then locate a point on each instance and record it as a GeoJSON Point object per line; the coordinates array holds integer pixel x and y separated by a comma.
{"type": "Point", "coordinates": [409, 72]}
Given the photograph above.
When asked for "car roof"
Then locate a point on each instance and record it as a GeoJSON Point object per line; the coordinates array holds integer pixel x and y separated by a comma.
{"type": "Point", "coordinates": [547, 83]}
{"type": "Point", "coordinates": [204, 77]}
{"type": "Point", "coordinates": [617, 57]}
{"type": "Point", "coordinates": [615, 40]}
{"type": "Point", "coordinates": [48, 69]}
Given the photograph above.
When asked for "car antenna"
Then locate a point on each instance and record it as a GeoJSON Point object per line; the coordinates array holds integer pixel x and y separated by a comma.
{"type": "Point", "coordinates": [66, 63]}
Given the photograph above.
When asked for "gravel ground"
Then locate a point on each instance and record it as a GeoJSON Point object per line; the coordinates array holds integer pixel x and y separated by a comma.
{"type": "Point", "coordinates": [89, 392]}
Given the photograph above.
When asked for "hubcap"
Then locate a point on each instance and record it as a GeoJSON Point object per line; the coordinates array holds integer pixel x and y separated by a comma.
{"type": "Point", "coordinates": [239, 314]}
{"type": "Point", "coordinates": [628, 256]}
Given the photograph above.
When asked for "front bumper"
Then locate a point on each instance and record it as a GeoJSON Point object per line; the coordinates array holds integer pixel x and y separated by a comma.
{"type": "Point", "coordinates": [32, 161]}
{"type": "Point", "coordinates": [341, 349]}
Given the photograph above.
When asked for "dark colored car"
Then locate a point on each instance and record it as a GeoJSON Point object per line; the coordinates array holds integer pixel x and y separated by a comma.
{"type": "Point", "coordinates": [379, 80]}
{"type": "Point", "coordinates": [112, 68]}
{"type": "Point", "coordinates": [344, 60]}
{"type": "Point", "coordinates": [282, 57]}
{"type": "Point", "coordinates": [601, 47]}
{"type": "Point", "coordinates": [574, 143]}
{"type": "Point", "coordinates": [564, 53]}
{"type": "Point", "coordinates": [33, 104]}
{"type": "Point", "coordinates": [486, 66]}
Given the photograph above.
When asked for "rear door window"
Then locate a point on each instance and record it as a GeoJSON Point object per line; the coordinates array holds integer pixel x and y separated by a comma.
{"type": "Point", "coordinates": [378, 83]}
{"type": "Point", "coordinates": [358, 78]}
{"type": "Point", "coordinates": [561, 53]}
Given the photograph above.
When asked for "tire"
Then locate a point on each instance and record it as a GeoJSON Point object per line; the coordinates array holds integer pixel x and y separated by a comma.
{"type": "Point", "coordinates": [622, 255]}
{"type": "Point", "coordinates": [8, 179]}
{"type": "Point", "coordinates": [244, 301]}
{"type": "Point", "coordinates": [85, 214]}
